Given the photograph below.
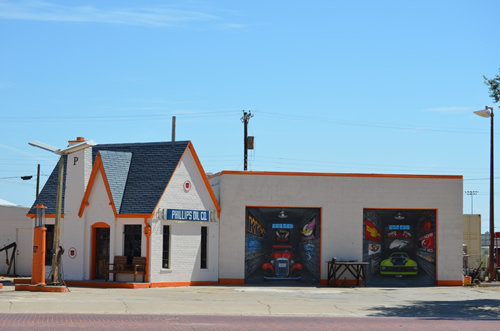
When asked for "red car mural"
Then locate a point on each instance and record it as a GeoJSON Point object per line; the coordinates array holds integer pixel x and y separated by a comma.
{"type": "Point", "coordinates": [282, 264]}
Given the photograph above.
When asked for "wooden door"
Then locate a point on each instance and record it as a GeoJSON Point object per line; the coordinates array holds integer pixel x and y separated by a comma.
{"type": "Point", "coordinates": [101, 251]}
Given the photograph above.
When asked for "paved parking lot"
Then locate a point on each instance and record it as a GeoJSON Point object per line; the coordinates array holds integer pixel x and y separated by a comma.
{"type": "Point", "coordinates": [422, 302]}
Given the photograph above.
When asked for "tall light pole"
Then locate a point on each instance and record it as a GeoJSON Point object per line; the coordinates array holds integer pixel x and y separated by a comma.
{"type": "Point", "coordinates": [60, 177]}
{"type": "Point", "coordinates": [488, 113]}
{"type": "Point", "coordinates": [472, 194]}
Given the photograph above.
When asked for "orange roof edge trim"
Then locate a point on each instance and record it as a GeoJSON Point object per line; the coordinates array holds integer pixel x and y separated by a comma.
{"type": "Point", "coordinates": [135, 216]}
{"type": "Point", "coordinates": [328, 174]}
{"type": "Point", "coordinates": [204, 177]}
{"type": "Point", "coordinates": [190, 147]}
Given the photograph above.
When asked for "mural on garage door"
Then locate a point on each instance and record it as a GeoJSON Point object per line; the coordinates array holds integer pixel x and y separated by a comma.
{"type": "Point", "coordinates": [400, 246]}
{"type": "Point", "coordinates": [282, 245]}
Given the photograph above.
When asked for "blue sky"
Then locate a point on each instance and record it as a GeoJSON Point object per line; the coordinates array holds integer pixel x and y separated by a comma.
{"type": "Point", "coordinates": [335, 86]}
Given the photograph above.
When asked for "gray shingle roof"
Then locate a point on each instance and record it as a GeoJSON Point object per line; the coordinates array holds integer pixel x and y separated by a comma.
{"type": "Point", "coordinates": [138, 174]}
{"type": "Point", "coordinates": [116, 166]}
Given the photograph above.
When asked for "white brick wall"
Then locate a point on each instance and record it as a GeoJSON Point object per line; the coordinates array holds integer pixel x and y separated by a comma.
{"type": "Point", "coordinates": [73, 229]}
{"type": "Point", "coordinates": [185, 235]}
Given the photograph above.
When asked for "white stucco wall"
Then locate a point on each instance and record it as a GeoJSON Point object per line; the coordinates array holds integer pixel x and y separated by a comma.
{"type": "Point", "coordinates": [342, 199]}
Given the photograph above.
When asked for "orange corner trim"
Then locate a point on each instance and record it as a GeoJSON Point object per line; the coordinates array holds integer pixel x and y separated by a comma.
{"type": "Point", "coordinates": [231, 281]}
{"type": "Point", "coordinates": [326, 174]}
{"type": "Point", "coordinates": [449, 283]}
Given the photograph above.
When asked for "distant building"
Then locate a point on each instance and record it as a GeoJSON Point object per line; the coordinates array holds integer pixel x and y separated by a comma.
{"type": "Point", "coordinates": [16, 228]}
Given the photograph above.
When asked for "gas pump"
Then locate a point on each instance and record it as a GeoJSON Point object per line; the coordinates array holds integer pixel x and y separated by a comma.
{"type": "Point", "coordinates": [38, 266]}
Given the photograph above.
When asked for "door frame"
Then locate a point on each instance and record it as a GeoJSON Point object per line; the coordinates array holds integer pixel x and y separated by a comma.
{"type": "Point", "coordinates": [93, 242]}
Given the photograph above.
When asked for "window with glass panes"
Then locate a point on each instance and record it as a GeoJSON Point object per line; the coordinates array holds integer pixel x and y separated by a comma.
{"type": "Point", "coordinates": [165, 263]}
{"type": "Point", "coordinates": [132, 241]}
{"type": "Point", "coordinates": [204, 241]}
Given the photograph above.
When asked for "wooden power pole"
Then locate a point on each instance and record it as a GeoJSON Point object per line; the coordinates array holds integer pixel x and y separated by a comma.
{"type": "Point", "coordinates": [246, 117]}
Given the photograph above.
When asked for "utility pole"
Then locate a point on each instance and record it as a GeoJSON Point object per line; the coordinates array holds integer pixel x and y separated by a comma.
{"type": "Point", "coordinates": [173, 128]}
{"type": "Point", "coordinates": [246, 117]}
{"type": "Point", "coordinates": [38, 180]}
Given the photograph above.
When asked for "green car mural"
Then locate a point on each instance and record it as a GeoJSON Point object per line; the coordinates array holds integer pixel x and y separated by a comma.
{"type": "Point", "coordinates": [398, 263]}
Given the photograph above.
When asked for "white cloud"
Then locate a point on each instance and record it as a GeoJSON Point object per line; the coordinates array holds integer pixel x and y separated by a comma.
{"type": "Point", "coordinates": [450, 109]}
{"type": "Point", "coordinates": [233, 26]}
{"type": "Point", "coordinates": [45, 11]}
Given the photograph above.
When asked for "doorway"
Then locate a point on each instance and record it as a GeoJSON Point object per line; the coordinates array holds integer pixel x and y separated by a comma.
{"type": "Point", "coordinates": [100, 250]}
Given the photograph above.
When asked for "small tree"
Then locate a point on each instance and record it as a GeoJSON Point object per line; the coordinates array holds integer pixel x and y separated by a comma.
{"type": "Point", "coordinates": [494, 87]}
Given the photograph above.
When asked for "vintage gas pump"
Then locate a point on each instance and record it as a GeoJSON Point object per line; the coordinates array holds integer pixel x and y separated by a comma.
{"type": "Point", "coordinates": [38, 267]}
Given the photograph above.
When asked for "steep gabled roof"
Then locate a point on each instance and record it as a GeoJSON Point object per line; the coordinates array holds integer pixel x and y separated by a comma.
{"type": "Point", "coordinates": [117, 167]}
{"type": "Point", "coordinates": [136, 190]}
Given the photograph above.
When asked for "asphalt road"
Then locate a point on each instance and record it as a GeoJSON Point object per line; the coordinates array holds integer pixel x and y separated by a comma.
{"type": "Point", "coordinates": [218, 322]}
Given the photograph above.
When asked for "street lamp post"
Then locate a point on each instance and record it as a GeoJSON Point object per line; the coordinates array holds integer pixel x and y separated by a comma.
{"type": "Point", "coordinates": [488, 113]}
{"type": "Point", "coordinates": [472, 194]}
{"type": "Point", "coordinates": [60, 177]}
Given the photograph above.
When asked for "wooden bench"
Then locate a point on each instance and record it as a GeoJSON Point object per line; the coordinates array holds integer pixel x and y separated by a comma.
{"type": "Point", "coordinates": [120, 266]}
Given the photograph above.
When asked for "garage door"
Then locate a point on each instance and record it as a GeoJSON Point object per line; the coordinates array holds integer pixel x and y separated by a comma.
{"type": "Point", "coordinates": [400, 246]}
{"type": "Point", "coordinates": [282, 245]}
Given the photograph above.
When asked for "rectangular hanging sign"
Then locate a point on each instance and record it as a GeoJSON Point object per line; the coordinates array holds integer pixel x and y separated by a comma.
{"type": "Point", "coordinates": [188, 215]}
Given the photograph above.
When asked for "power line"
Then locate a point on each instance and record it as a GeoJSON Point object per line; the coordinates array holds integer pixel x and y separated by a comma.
{"type": "Point", "coordinates": [369, 124]}
{"type": "Point", "coordinates": [145, 117]}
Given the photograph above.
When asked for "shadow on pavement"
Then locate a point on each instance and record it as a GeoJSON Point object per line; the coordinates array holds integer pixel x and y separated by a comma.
{"type": "Point", "coordinates": [465, 309]}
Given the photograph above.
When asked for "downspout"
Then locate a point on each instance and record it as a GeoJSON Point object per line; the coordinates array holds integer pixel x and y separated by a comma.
{"type": "Point", "coordinates": [147, 233]}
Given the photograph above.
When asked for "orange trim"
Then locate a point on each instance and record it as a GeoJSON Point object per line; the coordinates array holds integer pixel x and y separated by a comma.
{"type": "Point", "coordinates": [41, 288]}
{"type": "Point", "coordinates": [324, 174]}
{"type": "Point", "coordinates": [166, 186]}
{"type": "Point", "coordinates": [231, 281]}
{"type": "Point", "coordinates": [78, 140]}
{"type": "Point", "coordinates": [93, 242]}
{"type": "Point", "coordinates": [403, 209]}
{"type": "Point", "coordinates": [188, 283]}
{"type": "Point", "coordinates": [340, 282]}
{"type": "Point", "coordinates": [147, 233]}
{"type": "Point", "coordinates": [449, 283]}
{"type": "Point", "coordinates": [99, 284]}
{"type": "Point", "coordinates": [21, 281]}
{"type": "Point", "coordinates": [134, 216]}
{"type": "Point", "coordinates": [97, 166]}
{"type": "Point", "coordinates": [203, 177]}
